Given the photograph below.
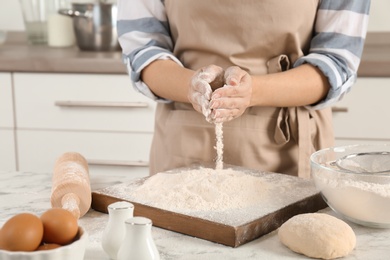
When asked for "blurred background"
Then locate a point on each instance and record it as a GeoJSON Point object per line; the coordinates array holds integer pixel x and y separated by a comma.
{"type": "Point", "coordinates": [11, 18]}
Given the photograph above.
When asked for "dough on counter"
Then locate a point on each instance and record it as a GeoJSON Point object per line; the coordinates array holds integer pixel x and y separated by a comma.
{"type": "Point", "coordinates": [317, 235]}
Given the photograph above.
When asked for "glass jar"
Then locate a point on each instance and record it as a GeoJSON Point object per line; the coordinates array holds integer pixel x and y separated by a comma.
{"type": "Point", "coordinates": [35, 19]}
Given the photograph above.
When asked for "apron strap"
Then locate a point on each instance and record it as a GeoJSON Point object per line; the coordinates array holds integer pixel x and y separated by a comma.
{"type": "Point", "coordinates": [304, 143]}
{"type": "Point", "coordinates": [294, 123]}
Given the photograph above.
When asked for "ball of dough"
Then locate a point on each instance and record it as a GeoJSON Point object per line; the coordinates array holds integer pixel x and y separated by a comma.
{"type": "Point", "coordinates": [317, 235]}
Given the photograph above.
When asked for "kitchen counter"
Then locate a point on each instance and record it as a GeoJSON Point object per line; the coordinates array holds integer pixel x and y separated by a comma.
{"type": "Point", "coordinates": [376, 56]}
{"type": "Point", "coordinates": [30, 192]}
{"type": "Point", "coordinates": [17, 56]}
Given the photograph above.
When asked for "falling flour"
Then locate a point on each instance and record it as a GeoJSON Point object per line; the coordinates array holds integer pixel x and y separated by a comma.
{"type": "Point", "coordinates": [201, 189]}
{"type": "Point", "coordinates": [219, 146]}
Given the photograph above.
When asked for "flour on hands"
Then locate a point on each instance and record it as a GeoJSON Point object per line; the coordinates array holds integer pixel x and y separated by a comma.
{"type": "Point", "coordinates": [201, 87]}
{"type": "Point", "coordinates": [234, 97]}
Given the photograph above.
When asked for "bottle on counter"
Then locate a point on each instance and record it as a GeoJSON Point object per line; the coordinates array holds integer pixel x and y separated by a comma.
{"type": "Point", "coordinates": [115, 231]}
{"type": "Point", "coordinates": [71, 188]}
{"type": "Point", "coordinates": [138, 242]}
{"type": "Point", "coordinates": [60, 31]}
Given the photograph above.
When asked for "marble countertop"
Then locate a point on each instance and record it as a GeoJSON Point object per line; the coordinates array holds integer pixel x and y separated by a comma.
{"type": "Point", "coordinates": [30, 192]}
{"type": "Point", "coordinates": [17, 56]}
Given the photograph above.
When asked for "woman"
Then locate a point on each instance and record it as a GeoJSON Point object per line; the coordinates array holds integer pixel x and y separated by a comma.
{"type": "Point", "coordinates": [269, 70]}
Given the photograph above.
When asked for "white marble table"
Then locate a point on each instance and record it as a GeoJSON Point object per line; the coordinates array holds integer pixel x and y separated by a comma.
{"type": "Point", "coordinates": [30, 192]}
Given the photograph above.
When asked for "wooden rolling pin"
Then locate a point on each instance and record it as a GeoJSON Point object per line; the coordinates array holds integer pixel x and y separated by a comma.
{"type": "Point", "coordinates": [71, 188]}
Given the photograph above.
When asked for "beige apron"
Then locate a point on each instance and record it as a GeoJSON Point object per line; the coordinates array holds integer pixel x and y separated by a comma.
{"type": "Point", "coordinates": [261, 37]}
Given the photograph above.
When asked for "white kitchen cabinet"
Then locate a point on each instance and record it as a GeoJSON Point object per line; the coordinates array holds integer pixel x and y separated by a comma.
{"type": "Point", "coordinates": [7, 127]}
{"type": "Point", "coordinates": [127, 153]}
{"type": "Point", "coordinates": [99, 116]}
{"type": "Point", "coordinates": [81, 102]}
{"type": "Point", "coordinates": [363, 116]}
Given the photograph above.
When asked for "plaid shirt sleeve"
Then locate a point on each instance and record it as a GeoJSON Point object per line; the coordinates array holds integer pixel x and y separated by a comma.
{"type": "Point", "coordinates": [337, 45]}
{"type": "Point", "coordinates": [144, 36]}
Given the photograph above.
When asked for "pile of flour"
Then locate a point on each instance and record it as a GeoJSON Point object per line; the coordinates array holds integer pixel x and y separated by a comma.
{"type": "Point", "coordinates": [201, 189]}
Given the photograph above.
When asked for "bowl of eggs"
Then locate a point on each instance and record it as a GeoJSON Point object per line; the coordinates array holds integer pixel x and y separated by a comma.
{"type": "Point", "coordinates": [355, 182]}
{"type": "Point", "coordinates": [53, 235]}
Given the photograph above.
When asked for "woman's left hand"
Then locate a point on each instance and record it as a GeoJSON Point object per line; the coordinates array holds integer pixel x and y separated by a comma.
{"type": "Point", "coordinates": [234, 97]}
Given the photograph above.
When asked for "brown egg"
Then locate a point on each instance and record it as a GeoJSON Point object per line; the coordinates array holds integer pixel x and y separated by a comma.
{"type": "Point", "coordinates": [60, 226]}
{"type": "Point", "coordinates": [22, 232]}
{"type": "Point", "coordinates": [48, 247]}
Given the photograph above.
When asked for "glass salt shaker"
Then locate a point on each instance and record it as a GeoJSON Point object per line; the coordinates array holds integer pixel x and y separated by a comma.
{"type": "Point", "coordinates": [138, 243]}
{"type": "Point", "coordinates": [115, 231]}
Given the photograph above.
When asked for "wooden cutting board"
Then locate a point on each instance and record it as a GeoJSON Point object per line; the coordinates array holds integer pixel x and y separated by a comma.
{"type": "Point", "coordinates": [291, 196]}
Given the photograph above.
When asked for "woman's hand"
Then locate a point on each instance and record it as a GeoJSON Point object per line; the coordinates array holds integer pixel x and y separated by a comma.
{"type": "Point", "coordinates": [233, 98]}
{"type": "Point", "coordinates": [201, 87]}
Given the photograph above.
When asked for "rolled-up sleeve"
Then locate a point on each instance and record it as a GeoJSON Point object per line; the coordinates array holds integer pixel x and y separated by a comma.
{"type": "Point", "coordinates": [337, 45]}
{"type": "Point", "coordinates": [144, 36]}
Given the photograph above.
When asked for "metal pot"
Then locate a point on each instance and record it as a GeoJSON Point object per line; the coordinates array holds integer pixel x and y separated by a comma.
{"type": "Point", "coordinates": [94, 25]}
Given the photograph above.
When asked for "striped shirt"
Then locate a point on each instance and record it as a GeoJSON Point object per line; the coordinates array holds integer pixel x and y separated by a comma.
{"type": "Point", "coordinates": [336, 48]}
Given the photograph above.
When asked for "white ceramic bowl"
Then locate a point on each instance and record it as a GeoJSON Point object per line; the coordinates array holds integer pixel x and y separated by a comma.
{"type": "Point", "coordinates": [357, 189]}
{"type": "Point", "coordinates": [73, 251]}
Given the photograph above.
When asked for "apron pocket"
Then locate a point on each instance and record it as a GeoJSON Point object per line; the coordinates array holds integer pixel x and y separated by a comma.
{"type": "Point", "coordinates": [278, 64]}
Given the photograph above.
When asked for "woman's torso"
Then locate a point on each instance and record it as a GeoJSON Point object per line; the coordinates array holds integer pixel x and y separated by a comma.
{"type": "Point", "coordinates": [261, 37]}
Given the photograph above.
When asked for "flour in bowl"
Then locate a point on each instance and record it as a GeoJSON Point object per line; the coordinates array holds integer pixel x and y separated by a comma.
{"type": "Point", "coordinates": [201, 189]}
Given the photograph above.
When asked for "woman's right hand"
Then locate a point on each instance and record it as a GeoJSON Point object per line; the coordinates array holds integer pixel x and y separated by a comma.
{"type": "Point", "coordinates": [202, 84]}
